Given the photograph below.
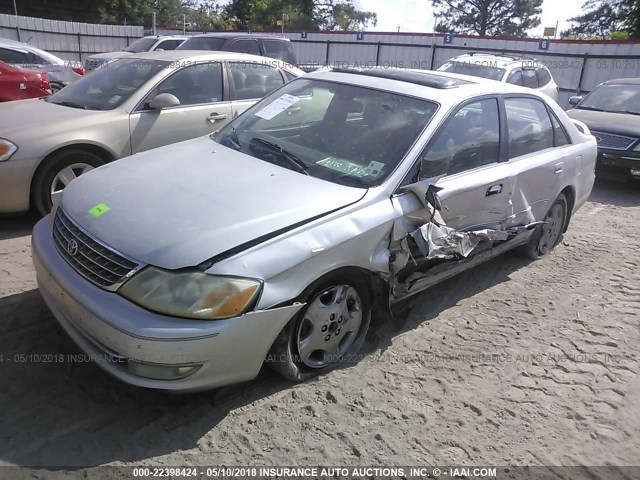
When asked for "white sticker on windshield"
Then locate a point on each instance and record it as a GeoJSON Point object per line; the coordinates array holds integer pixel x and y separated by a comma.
{"type": "Point", "coordinates": [277, 106]}
{"type": "Point", "coordinates": [374, 168]}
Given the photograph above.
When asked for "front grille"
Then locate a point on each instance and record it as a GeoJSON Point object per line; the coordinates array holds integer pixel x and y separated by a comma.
{"type": "Point", "coordinates": [92, 260]}
{"type": "Point", "coordinates": [613, 142]}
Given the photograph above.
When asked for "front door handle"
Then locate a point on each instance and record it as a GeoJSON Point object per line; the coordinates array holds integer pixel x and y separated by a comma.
{"type": "Point", "coordinates": [216, 116]}
{"type": "Point", "coordinates": [494, 190]}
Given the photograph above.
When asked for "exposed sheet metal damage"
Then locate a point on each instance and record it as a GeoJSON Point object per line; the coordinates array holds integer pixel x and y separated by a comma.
{"type": "Point", "coordinates": [436, 241]}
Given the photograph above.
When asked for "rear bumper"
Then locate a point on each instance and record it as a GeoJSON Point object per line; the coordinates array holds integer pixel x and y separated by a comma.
{"type": "Point", "coordinates": [15, 184]}
{"type": "Point", "coordinates": [125, 339]}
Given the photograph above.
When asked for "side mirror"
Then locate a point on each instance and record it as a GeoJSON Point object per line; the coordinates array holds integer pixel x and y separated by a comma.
{"type": "Point", "coordinates": [574, 100]}
{"type": "Point", "coordinates": [164, 100]}
{"type": "Point", "coordinates": [159, 50]}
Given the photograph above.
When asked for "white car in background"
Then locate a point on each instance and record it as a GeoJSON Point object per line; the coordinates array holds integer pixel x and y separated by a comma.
{"type": "Point", "coordinates": [526, 72]}
{"type": "Point", "coordinates": [156, 43]}
{"type": "Point", "coordinates": [59, 72]}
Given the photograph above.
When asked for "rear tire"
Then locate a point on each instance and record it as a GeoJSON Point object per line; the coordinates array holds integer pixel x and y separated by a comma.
{"type": "Point", "coordinates": [547, 236]}
{"type": "Point", "coordinates": [328, 332]}
{"type": "Point", "coordinates": [57, 172]}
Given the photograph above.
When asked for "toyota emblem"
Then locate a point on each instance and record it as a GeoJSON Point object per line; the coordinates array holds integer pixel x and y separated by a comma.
{"type": "Point", "coordinates": [72, 247]}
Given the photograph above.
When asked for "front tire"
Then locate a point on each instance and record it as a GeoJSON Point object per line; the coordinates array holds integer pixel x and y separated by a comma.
{"type": "Point", "coordinates": [329, 331]}
{"type": "Point", "coordinates": [58, 171]}
{"type": "Point", "coordinates": [547, 236]}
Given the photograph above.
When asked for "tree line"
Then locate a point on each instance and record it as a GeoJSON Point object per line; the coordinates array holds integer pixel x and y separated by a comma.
{"type": "Point", "coordinates": [203, 14]}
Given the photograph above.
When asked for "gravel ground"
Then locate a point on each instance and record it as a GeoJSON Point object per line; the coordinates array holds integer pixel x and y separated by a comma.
{"type": "Point", "coordinates": [512, 363]}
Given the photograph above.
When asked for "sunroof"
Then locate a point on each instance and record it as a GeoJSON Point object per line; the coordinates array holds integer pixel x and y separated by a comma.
{"type": "Point", "coordinates": [419, 78]}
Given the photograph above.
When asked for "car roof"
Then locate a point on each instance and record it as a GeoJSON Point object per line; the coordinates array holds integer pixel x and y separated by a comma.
{"type": "Point", "coordinates": [241, 35]}
{"type": "Point", "coordinates": [206, 55]}
{"type": "Point", "coordinates": [29, 48]}
{"type": "Point", "coordinates": [502, 60]}
{"type": "Point", "coordinates": [165, 37]}
{"type": "Point", "coordinates": [442, 87]}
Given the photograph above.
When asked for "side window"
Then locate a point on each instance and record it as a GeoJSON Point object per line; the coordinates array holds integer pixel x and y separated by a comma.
{"type": "Point", "coordinates": [515, 77]}
{"type": "Point", "coordinates": [168, 45]}
{"type": "Point", "coordinates": [193, 85]}
{"type": "Point", "coordinates": [253, 80]}
{"type": "Point", "coordinates": [8, 55]}
{"type": "Point", "coordinates": [245, 46]}
{"type": "Point", "coordinates": [544, 76]}
{"type": "Point", "coordinates": [559, 133]}
{"type": "Point", "coordinates": [529, 78]}
{"type": "Point", "coordinates": [529, 126]}
{"type": "Point", "coordinates": [277, 49]}
{"type": "Point", "coordinates": [469, 139]}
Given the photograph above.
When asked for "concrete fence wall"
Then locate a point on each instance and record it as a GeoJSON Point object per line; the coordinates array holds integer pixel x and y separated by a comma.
{"type": "Point", "coordinates": [68, 40]}
{"type": "Point", "coordinates": [577, 66]}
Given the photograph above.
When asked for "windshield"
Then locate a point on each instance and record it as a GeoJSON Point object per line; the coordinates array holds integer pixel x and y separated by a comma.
{"type": "Point", "coordinates": [613, 98]}
{"type": "Point", "coordinates": [109, 86]}
{"type": "Point", "coordinates": [141, 45]}
{"type": "Point", "coordinates": [342, 133]}
{"type": "Point", "coordinates": [202, 43]}
{"type": "Point", "coordinates": [484, 69]}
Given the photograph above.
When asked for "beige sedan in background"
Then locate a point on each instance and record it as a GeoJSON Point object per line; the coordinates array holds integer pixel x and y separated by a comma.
{"type": "Point", "coordinates": [127, 106]}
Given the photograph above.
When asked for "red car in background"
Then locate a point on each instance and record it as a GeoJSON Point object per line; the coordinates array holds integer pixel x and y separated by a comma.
{"type": "Point", "coordinates": [19, 83]}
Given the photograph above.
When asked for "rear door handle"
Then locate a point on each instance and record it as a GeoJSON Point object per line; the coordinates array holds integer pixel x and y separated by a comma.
{"type": "Point", "coordinates": [494, 190]}
{"type": "Point", "coordinates": [216, 116]}
{"type": "Point", "coordinates": [559, 167]}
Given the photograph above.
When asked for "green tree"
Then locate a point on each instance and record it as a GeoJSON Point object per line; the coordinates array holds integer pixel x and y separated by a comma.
{"type": "Point", "coordinates": [342, 15]}
{"type": "Point", "coordinates": [606, 19]}
{"type": "Point", "coordinates": [488, 17]}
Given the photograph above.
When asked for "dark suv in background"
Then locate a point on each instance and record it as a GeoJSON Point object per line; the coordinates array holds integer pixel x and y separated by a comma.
{"type": "Point", "coordinates": [255, 44]}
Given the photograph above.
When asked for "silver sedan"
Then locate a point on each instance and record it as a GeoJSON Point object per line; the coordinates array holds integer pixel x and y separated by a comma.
{"type": "Point", "coordinates": [277, 238]}
{"type": "Point", "coordinates": [130, 105]}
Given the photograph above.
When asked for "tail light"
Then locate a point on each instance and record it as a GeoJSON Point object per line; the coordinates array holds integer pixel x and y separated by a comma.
{"type": "Point", "coordinates": [43, 83]}
{"type": "Point", "coordinates": [78, 70]}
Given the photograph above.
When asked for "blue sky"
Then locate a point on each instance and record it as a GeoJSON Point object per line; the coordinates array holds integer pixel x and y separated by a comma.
{"type": "Point", "coordinates": [416, 15]}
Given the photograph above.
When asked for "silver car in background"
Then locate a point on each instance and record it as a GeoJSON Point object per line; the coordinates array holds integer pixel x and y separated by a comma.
{"type": "Point", "coordinates": [134, 104]}
{"type": "Point", "coordinates": [59, 72]}
{"type": "Point", "coordinates": [276, 238]}
{"type": "Point", "coordinates": [156, 43]}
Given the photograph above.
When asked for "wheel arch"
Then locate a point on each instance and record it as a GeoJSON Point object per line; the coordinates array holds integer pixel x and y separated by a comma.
{"type": "Point", "coordinates": [98, 150]}
{"type": "Point", "coordinates": [570, 194]}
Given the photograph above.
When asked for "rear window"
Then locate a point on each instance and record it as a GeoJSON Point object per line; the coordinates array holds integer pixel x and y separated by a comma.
{"type": "Point", "coordinates": [245, 46]}
{"type": "Point", "coordinates": [141, 45]}
{"type": "Point", "coordinates": [202, 43]}
{"type": "Point", "coordinates": [544, 76]}
{"type": "Point", "coordinates": [279, 49]}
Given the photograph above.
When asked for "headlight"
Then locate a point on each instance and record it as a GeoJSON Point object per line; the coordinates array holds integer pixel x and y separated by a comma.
{"type": "Point", "coordinates": [6, 149]}
{"type": "Point", "coordinates": [191, 295]}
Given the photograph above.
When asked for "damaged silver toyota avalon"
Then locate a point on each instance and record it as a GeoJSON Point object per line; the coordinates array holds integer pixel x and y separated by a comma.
{"type": "Point", "coordinates": [188, 266]}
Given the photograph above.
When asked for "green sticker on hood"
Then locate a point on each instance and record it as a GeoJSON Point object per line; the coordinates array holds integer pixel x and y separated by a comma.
{"type": "Point", "coordinates": [98, 210]}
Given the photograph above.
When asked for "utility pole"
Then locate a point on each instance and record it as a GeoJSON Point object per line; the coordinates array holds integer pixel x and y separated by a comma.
{"type": "Point", "coordinates": [184, 24]}
{"type": "Point", "coordinates": [154, 23]}
{"type": "Point", "coordinates": [15, 10]}
{"type": "Point", "coordinates": [283, 24]}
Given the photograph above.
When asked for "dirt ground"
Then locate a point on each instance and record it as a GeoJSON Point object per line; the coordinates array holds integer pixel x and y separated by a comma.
{"type": "Point", "coordinates": [513, 363]}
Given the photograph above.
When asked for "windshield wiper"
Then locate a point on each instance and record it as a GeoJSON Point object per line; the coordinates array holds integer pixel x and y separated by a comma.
{"type": "Point", "coordinates": [72, 105]}
{"type": "Point", "coordinates": [299, 164]}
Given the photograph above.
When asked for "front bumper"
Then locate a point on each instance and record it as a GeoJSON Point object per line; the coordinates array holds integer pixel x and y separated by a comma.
{"type": "Point", "coordinates": [121, 337]}
{"type": "Point", "coordinates": [617, 165]}
{"type": "Point", "coordinates": [15, 184]}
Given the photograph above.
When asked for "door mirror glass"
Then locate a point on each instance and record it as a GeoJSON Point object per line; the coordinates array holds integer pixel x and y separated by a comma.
{"type": "Point", "coordinates": [164, 100]}
{"type": "Point", "coordinates": [575, 99]}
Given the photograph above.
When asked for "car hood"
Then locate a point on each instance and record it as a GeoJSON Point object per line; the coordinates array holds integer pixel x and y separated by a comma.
{"type": "Point", "coordinates": [17, 119]}
{"type": "Point", "coordinates": [179, 205]}
{"type": "Point", "coordinates": [617, 123]}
